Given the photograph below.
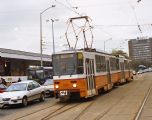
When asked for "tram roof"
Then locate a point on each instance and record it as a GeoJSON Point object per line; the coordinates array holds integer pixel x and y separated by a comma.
{"type": "Point", "coordinates": [17, 54]}
{"type": "Point", "coordinates": [89, 50]}
{"type": "Point", "coordinates": [82, 50]}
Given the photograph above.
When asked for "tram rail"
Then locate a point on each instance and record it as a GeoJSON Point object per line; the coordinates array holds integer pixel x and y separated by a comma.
{"type": "Point", "coordinates": [38, 111]}
{"type": "Point", "coordinates": [60, 111]}
{"type": "Point", "coordinates": [143, 104]}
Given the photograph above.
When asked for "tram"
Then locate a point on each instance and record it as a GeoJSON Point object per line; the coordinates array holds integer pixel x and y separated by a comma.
{"type": "Point", "coordinates": [86, 73]}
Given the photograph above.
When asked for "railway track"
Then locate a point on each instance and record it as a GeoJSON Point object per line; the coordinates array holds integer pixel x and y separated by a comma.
{"type": "Point", "coordinates": [143, 104]}
{"type": "Point", "coordinates": [60, 111]}
{"type": "Point", "coordinates": [78, 117]}
{"type": "Point", "coordinates": [98, 116]}
{"type": "Point", "coordinates": [71, 106]}
{"type": "Point", "coordinates": [103, 114]}
{"type": "Point", "coordinates": [57, 110]}
{"type": "Point", "coordinates": [85, 109]}
{"type": "Point", "coordinates": [66, 109]}
{"type": "Point", "coordinates": [39, 111]}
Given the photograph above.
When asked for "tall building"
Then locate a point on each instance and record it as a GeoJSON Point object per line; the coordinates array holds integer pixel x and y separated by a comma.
{"type": "Point", "coordinates": [140, 49]}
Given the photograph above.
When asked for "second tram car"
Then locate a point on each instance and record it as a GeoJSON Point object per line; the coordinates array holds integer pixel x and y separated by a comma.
{"type": "Point", "coordinates": [85, 73]}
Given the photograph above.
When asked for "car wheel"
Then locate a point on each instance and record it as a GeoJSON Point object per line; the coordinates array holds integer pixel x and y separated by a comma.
{"type": "Point", "coordinates": [42, 97]}
{"type": "Point", "coordinates": [24, 101]}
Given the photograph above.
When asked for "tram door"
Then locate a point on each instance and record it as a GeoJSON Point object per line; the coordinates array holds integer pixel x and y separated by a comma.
{"type": "Point", "coordinates": [89, 64]}
{"type": "Point", "coordinates": [122, 72]}
{"type": "Point", "coordinates": [108, 71]}
{"type": "Point", "coordinates": [129, 70]}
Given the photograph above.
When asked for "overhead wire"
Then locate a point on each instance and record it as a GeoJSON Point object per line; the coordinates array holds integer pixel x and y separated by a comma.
{"type": "Point", "coordinates": [131, 25]}
{"type": "Point", "coordinates": [123, 25]}
{"type": "Point", "coordinates": [69, 8]}
{"type": "Point", "coordinates": [135, 15]}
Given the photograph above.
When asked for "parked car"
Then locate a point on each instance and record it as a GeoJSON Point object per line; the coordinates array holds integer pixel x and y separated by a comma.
{"type": "Point", "coordinates": [2, 88]}
{"type": "Point", "coordinates": [140, 72]}
{"type": "Point", "coordinates": [134, 72]}
{"type": "Point", "coordinates": [22, 93]}
{"type": "Point", "coordinates": [49, 87]}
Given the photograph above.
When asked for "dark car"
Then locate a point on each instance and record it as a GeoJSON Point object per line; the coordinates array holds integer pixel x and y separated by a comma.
{"type": "Point", "coordinates": [2, 88]}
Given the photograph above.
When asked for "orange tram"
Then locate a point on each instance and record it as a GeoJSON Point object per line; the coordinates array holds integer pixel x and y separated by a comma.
{"type": "Point", "coordinates": [86, 73]}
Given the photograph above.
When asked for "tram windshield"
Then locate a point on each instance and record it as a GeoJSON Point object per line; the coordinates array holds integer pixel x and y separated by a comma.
{"type": "Point", "coordinates": [67, 64]}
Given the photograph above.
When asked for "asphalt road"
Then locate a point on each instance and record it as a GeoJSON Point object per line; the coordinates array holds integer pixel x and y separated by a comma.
{"type": "Point", "coordinates": [18, 108]}
{"type": "Point", "coordinates": [122, 103]}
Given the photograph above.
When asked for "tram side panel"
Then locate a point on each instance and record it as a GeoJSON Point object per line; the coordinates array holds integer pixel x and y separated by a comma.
{"type": "Point", "coordinates": [101, 81]}
{"type": "Point", "coordinates": [128, 75]}
{"type": "Point", "coordinates": [115, 77]}
{"type": "Point", "coordinates": [115, 70]}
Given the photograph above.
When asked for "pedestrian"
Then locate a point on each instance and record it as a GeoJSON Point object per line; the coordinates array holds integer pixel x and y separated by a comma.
{"type": "Point", "coordinates": [3, 81]}
{"type": "Point", "coordinates": [19, 80]}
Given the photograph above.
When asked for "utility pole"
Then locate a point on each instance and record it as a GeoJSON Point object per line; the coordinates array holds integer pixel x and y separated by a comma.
{"type": "Point", "coordinates": [41, 47]}
{"type": "Point", "coordinates": [53, 20]}
{"type": "Point", "coordinates": [52, 25]}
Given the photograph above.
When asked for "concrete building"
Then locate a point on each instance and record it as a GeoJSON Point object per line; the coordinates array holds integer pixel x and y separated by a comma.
{"type": "Point", "coordinates": [140, 49]}
{"type": "Point", "coordinates": [15, 62]}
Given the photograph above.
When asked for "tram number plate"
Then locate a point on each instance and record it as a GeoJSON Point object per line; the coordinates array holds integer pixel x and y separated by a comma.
{"type": "Point", "coordinates": [62, 93]}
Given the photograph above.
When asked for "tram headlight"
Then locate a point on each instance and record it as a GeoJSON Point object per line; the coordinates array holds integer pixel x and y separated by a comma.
{"type": "Point", "coordinates": [56, 86]}
{"type": "Point", "coordinates": [74, 85]}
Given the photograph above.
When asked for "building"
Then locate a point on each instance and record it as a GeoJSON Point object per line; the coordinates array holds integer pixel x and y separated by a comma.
{"type": "Point", "coordinates": [140, 49]}
{"type": "Point", "coordinates": [15, 62]}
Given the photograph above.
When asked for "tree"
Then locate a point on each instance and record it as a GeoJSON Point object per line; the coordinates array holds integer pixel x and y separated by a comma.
{"type": "Point", "coordinates": [119, 52]}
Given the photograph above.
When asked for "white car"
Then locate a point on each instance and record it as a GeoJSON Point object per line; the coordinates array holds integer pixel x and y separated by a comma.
{"type": "Point", "coordinates": [49, 87]}
{"type": "Point", "coordinates": [140, 72]}
{"type": "Point", "coordinates": [22, 93]}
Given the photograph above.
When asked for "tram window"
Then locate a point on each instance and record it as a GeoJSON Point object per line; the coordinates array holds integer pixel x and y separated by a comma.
{"type": "Point", "coordinates": [103, 63]}
{"type": "Point", "coordinates": [126, 65]}
{"type": "Point", "coordinates": [113, 64]}
{"type": "Point", "coordinates": [117, 64]}
{"type": "Point", "coordinates": [100, 63]}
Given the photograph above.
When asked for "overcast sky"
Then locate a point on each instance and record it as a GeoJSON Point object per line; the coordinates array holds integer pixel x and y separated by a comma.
{"type": "Point", "coordinates": [113, 21]}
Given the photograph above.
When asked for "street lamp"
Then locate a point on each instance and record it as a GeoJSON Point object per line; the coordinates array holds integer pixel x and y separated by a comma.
{"type": "Point", "coordinates": [105, 43]}
{"type": "Point", "coordinates": [41, 31]}
{"type": "Point", "coordinates": [52, 21]}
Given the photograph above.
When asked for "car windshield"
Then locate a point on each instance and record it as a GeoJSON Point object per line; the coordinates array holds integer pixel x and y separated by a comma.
{"type": "Point", "coordinates": [49, 82]}
{"type": "Point", "coordinates": [17, 87]}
